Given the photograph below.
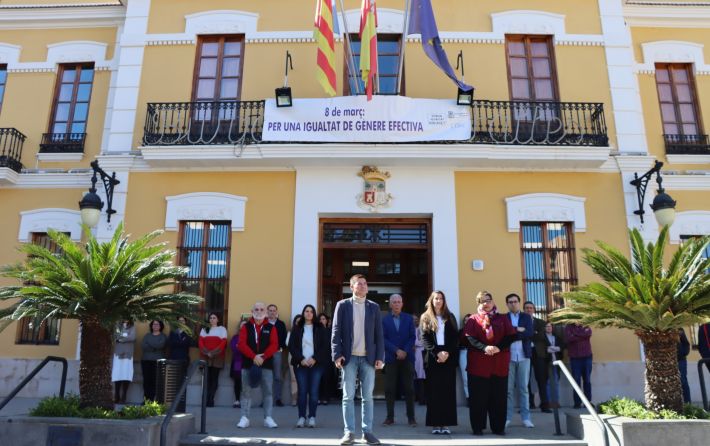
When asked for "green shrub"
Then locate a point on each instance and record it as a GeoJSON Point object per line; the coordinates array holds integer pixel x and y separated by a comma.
{"type": "Point", "coordinates": [627, 407]}
{"type": "Point", "coordinates": [69, 407]}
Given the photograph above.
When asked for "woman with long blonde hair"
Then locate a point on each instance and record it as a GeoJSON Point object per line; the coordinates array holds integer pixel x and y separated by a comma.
{"type": "Point", "coordinates": [440, 342]}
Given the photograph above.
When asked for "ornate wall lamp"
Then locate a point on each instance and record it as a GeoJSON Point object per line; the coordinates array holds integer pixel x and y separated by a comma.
{"type": "Point", "coordinates": [663, 205]}
{"type": "Point", "coordinates": [283, 94]}
{"type": "Point", "coordinates": [91, 204]}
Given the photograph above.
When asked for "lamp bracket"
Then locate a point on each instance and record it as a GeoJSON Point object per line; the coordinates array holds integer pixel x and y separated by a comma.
{"type": "Point", "coordinates": [289, 63]}
{"type": "Point", "coordinates": [109, 182]}
{"type": "Point", "coordinates": [641, 184]}
{"type": "Point", "coordinates": [459, 62]}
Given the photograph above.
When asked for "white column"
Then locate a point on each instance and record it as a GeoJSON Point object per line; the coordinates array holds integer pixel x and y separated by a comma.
{"type": "Point", "coordinates": [124, 103]}
{"type": "Point", "coordinates": [625, 96]}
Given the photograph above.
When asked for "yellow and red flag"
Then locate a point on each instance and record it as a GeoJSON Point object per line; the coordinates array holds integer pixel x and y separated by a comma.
{"type": "Point", "coordinates": [368, 44]}
{"type": "Point", "coordinates": [323, 35]}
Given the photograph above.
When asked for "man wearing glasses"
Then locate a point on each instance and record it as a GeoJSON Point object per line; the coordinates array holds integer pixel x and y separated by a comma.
{"type": "Point", "coordinates": [258, 341]}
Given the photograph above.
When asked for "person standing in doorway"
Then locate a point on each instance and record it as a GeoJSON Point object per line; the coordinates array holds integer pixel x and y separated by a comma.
{"type": "Point", "coordinates": [153, 346]}
{"type": "Point", "coordinates": [538, 364]}
{"type": "Point", "coordinates": [579, 350]}
{"type": "Point", "coordinates": [463, 355]}
{"type": "Point", "coordinates": [704, 342]}
{"type": "Point", "coordinates": [273, 313]}
{"type": "Point", "coordinates": [520, 353]}
{"type": "Point", "coordinates": [683, 351]}
{"type": "Point", "coordinates": [358, 349]}
{"type": "Point", "coordinates": [258, 341]}
{"type": "Point", "coordinates": [122, 367]}
{"type": "Point", "coordinates": [398, 329]}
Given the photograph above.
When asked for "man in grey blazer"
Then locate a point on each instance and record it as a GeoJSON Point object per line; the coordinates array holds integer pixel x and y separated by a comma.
{"type": "Point", "coordinates": [358, 349]}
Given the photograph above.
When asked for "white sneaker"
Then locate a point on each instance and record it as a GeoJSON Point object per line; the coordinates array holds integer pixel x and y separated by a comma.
{"type": "Point", "coordinates": [507, 423]}
{"type": "Point", "coordinates": [243, 423]}
{"type": "Point", "coordinates": [312, 422]}
{"type": "Point", "coordinates": [300, 423]}
{"type": "Point", "coordinates": [528, 423]}
{"type": "Point", "coordinates": [270, 423]}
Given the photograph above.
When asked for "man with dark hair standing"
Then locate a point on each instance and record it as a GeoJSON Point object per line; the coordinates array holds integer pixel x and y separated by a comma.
{"type": "Point", "coordinates": [398, 329]}
{"type": "Point", "coordinates": [273, 314]}
{"type": "Point", "coordinates": [539, 366]}
{"type": "Point", "coordinates": [520, 353]}
{"type": "Point", "coordinates": [358, 349]}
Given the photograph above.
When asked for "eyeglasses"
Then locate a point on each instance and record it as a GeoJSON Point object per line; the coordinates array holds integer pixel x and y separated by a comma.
{"type": "Point", "coordinates": [259, 309]}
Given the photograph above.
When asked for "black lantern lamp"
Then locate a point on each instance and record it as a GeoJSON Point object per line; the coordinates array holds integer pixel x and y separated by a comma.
{"type": "Point", "coordinates": [463, 97]}
{"type": "Point", "coordinates": [91, 204]}
{"type": "Point", "coordinates": [283, 94]}
{"type": "Point", "coordinates": [663, 205]}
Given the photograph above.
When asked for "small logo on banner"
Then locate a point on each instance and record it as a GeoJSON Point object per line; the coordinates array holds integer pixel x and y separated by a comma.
{"type": "Point", "coordinates": [374, 189]}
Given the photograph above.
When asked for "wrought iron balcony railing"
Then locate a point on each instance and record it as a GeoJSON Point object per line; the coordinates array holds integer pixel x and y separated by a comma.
{"type": "Point", "coordinates": [62, 143]}
{"type": "Point", "coordinates": [11, 142]}
{"type": "Point", "coordinates": [493, 122]}
{"type": "Point", "coordinates": [687, 144]}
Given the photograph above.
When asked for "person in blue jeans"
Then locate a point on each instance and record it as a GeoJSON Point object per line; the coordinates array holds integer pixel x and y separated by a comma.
{"type": "Point", "coordinates": [579, 350]}
{"type": "Point", "coordinates": [520, 353]}
{"type": "Point", "coordinates": [309, 345]}
{"type": "Point", "coordinates": [358, 348]}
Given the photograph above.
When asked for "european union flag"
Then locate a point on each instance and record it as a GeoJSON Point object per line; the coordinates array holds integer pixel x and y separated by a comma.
{"type": "Point", "coordinates": [422, 22]}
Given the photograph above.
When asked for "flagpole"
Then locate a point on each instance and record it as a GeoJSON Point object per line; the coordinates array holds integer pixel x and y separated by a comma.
{"type": "Point", "coordinates": [405, 30]}
{"type": "Point", "coordinates": [349, 57]}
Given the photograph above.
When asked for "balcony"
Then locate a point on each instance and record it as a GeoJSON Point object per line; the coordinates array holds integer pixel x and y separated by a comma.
{"type": "Point", "coordinates": [687, 144]}
{"type": "Point", "coordinates": [503, 134]}
{"type": "Point", "coordinates": [11, 142]}
{"type": "Point", "coordinates": [62, 143]}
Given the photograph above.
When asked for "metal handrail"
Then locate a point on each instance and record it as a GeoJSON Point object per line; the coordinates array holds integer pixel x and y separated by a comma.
{"type": "Point", "coordinates": [587, 404]}
{"type": "Point", "coordinates": [701, 378]}
{"type": "Point", "coordinates": [173, 407]}
{"type": "Point", "coordinates": [32, 374]}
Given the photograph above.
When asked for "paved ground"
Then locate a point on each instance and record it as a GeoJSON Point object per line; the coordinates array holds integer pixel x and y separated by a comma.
{"type": "Point", "coordinates": [221, 428]}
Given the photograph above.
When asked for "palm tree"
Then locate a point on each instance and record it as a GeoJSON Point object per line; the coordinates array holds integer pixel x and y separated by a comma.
{"type": "Point", "coordinates": [100, 284]}
{"type": "Point", "coordinates": [654, 301]}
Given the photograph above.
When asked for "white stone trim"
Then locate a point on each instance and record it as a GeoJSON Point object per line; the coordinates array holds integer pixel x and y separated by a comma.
{"type": "Point", "coordinates": [9, 54]}
{"type": "Point", "coordinates": [667, 15]}
{"type": "Point", "coordinates": [40, 220]}
{"type": "Point", "coordinates": [205, 206]}
{"type": "Point", "coordinates": [221, 22]}
{"type": "Point", "coordinates": [388, 20]}
{"type": "Point", "coordinates": [59, 157]}
{"type": "Point", "coordinates": [689, 223]}
{"type": "Point", "coordinates": [8, 176]}
{"type": "Point", "coordinates": [696, 182]}
{"type": "Point", "coordinates": [61, 16]}
{"type": "Point", "coordinates": [688, 159]}
{"type": "Point", "coordinates": [546, 207]}
{"type": "Point", "coordinates": [76, 51]}
{"type": "Point", "coordinates": [49, 180]}
{"type": "Point", "coordinates": [528, 22]}
{"type": "Point", "coordinates": [663, 51]}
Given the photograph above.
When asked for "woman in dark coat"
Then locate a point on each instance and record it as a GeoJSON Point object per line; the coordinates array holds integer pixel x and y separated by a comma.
{"type": "Point", "coordinates": [490, 335]}
{"type": "Point", "coordinates": [440, 341]}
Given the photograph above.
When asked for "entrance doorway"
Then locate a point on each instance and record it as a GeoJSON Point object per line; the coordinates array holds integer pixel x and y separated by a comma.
{"type": "Point", "coordinates": [393, 254]}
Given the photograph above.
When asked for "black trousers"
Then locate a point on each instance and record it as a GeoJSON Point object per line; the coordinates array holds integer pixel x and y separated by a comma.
{"type": "Point", "coordinates": [212, 382]}
{"type": "Point", "coordinates": [399, 373]}
{"type": "Point", "coordinates": [149, 369]}
{"type": "Point", "coordinates": [540, 368]}
{"type": "Point", "coordinates": [488, 398]}
{"type": "Point", "coordinates": [237, 378]}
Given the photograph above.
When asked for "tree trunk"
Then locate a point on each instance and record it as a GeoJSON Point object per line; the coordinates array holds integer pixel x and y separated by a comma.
{"type": "Point", "coordinates": [662, 387]}
{"type": "Point", "coordinates": [95, 366]}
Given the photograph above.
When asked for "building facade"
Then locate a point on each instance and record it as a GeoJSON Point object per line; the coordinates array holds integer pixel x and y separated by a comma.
{"type": "Point", "coordinates": [176, 97]}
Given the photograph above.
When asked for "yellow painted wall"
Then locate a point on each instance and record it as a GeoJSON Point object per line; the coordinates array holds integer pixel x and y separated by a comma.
{"type": "Point", "coordinates": [261, 260]}
{"type": "Point", "coordinates": [483, 235]}
{"type": "Point", "coordinates": [14, 201]}
{"type": "Point", "coordinates": [581, 16]}
{"type": "Point", "coordinates": [34, 41]}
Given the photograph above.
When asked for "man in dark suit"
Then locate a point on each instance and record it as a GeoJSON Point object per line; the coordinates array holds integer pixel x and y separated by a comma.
{"type": "Point", "coordinates": [358, 349]}
{"type": "Point", "coordinates": [398, 329]}
{"type": "Point", "coordinates": [520, 353]}
{"type": "Point", "coordinates": [539, 365]}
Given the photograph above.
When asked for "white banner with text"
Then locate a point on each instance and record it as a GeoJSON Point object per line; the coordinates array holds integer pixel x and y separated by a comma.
{"type": "Point", "coordinates": [353, 119]}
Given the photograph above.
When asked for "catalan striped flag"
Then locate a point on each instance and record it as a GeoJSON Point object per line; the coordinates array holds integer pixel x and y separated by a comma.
{"type": "Point", "coordinates": [368, 44]}
{"type": "Point", "coordinates": [323, 35]}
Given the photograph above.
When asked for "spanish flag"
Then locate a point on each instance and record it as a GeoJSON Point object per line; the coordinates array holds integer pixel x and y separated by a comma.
{"type": "Point", "coordinates": [368, 44]}
{"type": "Point", "coordinates": [323, 35]}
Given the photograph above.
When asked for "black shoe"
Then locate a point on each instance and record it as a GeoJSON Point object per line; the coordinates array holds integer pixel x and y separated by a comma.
{"type": "Point", "coordinates": [279, 403]}
{"type": "Point", "coordinates": [546, 410]}
{"type": "Point", "coordinates": [478, 433]}
{"type": "Point", "coordinates": [369, 438]}
{"type": "Point", "coordinates": [348, 438]}
{"type": "Point", "coordinates": [412, 422]}
{"type": "Point", "coordinates": [501, 433]}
